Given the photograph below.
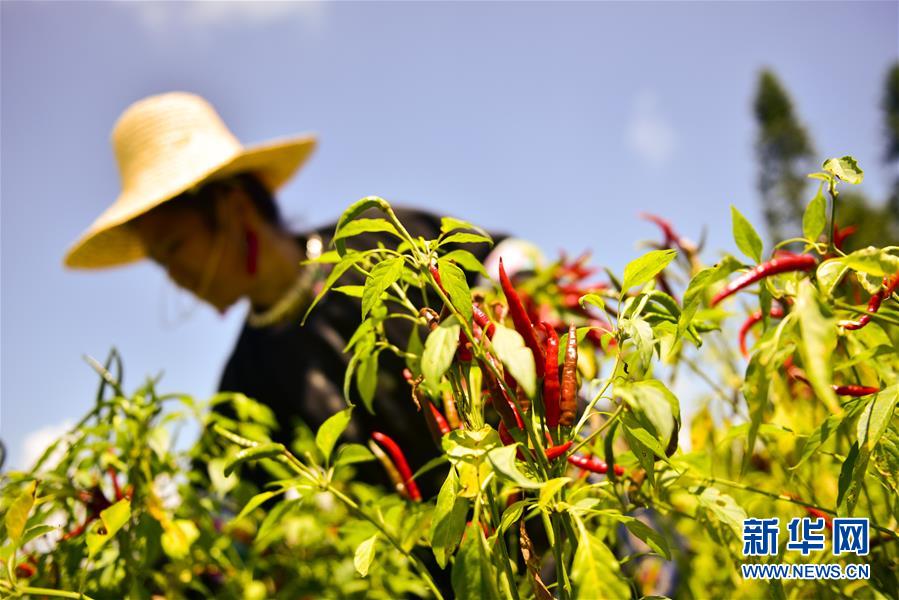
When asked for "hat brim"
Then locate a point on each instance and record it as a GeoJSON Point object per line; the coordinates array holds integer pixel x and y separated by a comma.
{"type": "Point", "coordinates": [109, 242]}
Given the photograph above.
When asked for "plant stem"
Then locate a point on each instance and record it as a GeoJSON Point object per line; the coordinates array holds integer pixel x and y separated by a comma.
{"type": "Point", "coordinates": [34, 591]}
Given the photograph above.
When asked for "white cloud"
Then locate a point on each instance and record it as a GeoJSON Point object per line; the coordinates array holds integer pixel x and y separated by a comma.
{"type": "Point", "coordinates": [649, 133]}
{"type": "Point", "coordinates": [39, 440]}
{"type": "Point", "coordinates": [161, 17]}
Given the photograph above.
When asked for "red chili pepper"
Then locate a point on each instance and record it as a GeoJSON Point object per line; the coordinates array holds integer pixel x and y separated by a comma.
{"type": "Point", "coordinates": [504, 436]}
{"type": "Point", "coordinates": [464, 352]}
{"type": "Point", "coordinates": [889, 286]}
{"type": "Point", "coordinates": [436, 274]}
{"type": "Point", "coordinates": [442, 425]}
{"type": "Point", "coordinates": [782, 264]}
{"type": "Point", "coordinates": [568, 396]}
{"type": "Point", "coordinates": [554, 452]}
{"type": "Point", "coordinates": [501, 401]}
{"type": "Point", "coordinates": [399, 459]}
{"type": "Point", "coordinates": [520, 318]}
{"type": "Point", "coordinates": [593, 464]}
{"type": "Point", "coordinates": [855, 390]}
{"type": "Point", "coordinates": [776, 312]}
{"type": "Point", "coordinates": [25, 570]}
{"type": "Point", "coordinates": [665, 225]}
{"type": "Point", "coordinates": [820, 514]}
{"type": "Point", "coordinates": [840, 235]}
{"type": "Point", "coordinates": [551, 376]}
{"type": "Point", "coordinates": [481, 318]}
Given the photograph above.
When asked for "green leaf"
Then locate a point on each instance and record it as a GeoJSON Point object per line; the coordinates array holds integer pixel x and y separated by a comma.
{"type": "Point", "coordinates": [642, 270]}
{"type": "Point", "coordinates": [654, 405]}
{"type": "Point", "coordinates": [641, 334]}
{"type": "Point", "coordinates": [336, 273]}
{"type": "Point", "coordinates": [549, 490]}
{"type": "Point", "coordinates": [595, 568]}
{"type": "Point", "coordinates": [17, 513]}
{"type": "Point", "coordinates": [516, 357]}
{"type": "Point", "coordinates": [331, 430]}
{"type": "Point", "coordinates": [440, 348]}
{"type": "Point", "coordinates": [829, 274]}
{"type": "Point", "coordinates": [367, 379]}
{"type": "Point", "coordinates": [364, 556]}
{"type": "Point", "coordinates": [178, 537]}
{"type": "Point", "coordinates": [448, 224]}
{"type": "Point", "coordinates": [382, 276]}
{"type": "Point", "coordinates": [872, 261]}
{"type": "Point", "coordinates": [698, 286]}
{"type": "Point", "coordinates": [471, 576]}
{"type": "Point", "coordinates": [845, 168]}
{"type": "Point", "coordinates": [111, 520]}
{"type": "Point", "coordinates": [828, 428]}
{"type": "Point", "coordinates": [456, 286]}
{"type": "Point", "coordinates": [512, 514]}
{"type": "Point", "coordinates": [259, 452]}
{"type": "Point", "coordinates": [353, 291]}
{"type": "Point", "coordinates": [467, 261]}
{"type": "Point", "coordinates": [651, 537]}
{"type": "Point", "coordinates": [356, 209]}
{"type": "Point", "coordinates": [448, 521]}
{"type": "Point", "coordinates": [36, 532]}
{"type": "Point", "coordinates": [815, 217]}
{"type": "Point", "coordinates": [756, 386]}
{"type": "Point", "coordinates": [360, 226]}
{"type": "Point", "coordinates": [876, 418]}
{"type": "Point", "coordinates": [466, 238]}
{"type": "Point", "coordinates": [846, 472]}
{"type": "Point", "coordinates": [350, 454]}
{"type": "Point", "coordinates": [748, 241]}
{"type": "Point", "coordinates": [503, 461]}
{"type": "Point", "coordinates": [257, 501]}
{"type": "Point", "coordinates": [594, 299]}
{"type": "Point", "coordinates": [817, 344]}
{"type": "Point", "coordinates": [722, 507]}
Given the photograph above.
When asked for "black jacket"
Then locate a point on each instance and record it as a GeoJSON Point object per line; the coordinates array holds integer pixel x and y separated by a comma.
{"type": "Point", "coordinates": [298, 371]}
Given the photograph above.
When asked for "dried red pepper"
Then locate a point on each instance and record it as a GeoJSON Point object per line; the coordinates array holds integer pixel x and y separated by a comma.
{"type": "Point", "coordinates": [568, 396]}
{"type": "Point", "coordinates": [781, 264]}
{"type": "Point", "coordinates": [399, 459]}
{"type": "Point", "coordinates": [521, 319]}
{"type": "Point", "coordinates": [439, 419]}
{"type": "Point", "coordinates": [483, 321]}
{"type": "Point", "coordinates": [776, 312]}
{"type": "Point", "coordinates": [593, 464]}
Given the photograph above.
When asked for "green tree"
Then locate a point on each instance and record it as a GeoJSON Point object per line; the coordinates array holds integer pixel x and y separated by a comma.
{"type": "Point", "coordinates": [785, 153]}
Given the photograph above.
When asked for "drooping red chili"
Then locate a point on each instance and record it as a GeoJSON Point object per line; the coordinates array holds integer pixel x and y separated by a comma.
{"type": "Point", "coordinates": [593, 464]}
{"type": "Point", "coordinates": [483, 321]}
{"type": "Point", "coordinates": [665, 225]}
{"type": "Point", "coordinates": [568, 396]}
{"type": "Point", "coordinates": [442, 425]}
{"type": "Point", "coordinates": [840, 235]}
{"type": "Point", "coordinates": [521, 319]}
{"type": "Point", "coordinates": [889, 286]}
{"type": "Point", "coordinates": [395, 478]}
{"type": "Point", "coordinates": [820, 514]}
{"type": "Point", "coordinates": [855, 390]}
{"type": "Point", "coordinates": [449, 409]}
{"type": "Point", "coordinates": [776, 312]}
{"type": "Point", "coordinates": [399, 459]}
{"type": "Point", "coordinates": [554, 452]}
{"type": "Point", "coordinates": [551, 376]}
{"type": "Point", "coordinates": [502, 404]}
{"type": "Point", "coordinates": [781, 264]}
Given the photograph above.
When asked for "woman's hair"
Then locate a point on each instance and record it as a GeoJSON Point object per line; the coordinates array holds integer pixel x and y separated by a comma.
{"type": "Point", "coordinates": [204, 199]}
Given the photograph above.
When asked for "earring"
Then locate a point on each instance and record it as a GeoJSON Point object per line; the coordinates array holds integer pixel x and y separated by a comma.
{"type": "Point", "coordinates": [252, 242]}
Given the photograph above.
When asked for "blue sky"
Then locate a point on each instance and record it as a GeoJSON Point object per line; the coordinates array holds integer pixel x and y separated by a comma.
{"type": "Point", "coordinates": [558, 122]}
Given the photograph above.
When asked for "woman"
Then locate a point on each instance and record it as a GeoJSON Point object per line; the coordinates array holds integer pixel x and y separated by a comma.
{"type": "Point", "coordinates": [201, 206]}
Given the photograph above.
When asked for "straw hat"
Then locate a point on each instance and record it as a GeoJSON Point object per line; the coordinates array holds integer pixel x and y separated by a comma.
{"type": "Point", "coordinates": [166, 145]}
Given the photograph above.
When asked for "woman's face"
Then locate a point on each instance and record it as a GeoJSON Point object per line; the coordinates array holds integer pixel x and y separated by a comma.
{"type": "Point", "coordinates": [208, 261]}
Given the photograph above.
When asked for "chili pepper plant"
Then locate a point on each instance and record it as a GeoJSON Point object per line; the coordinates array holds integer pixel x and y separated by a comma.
{"type": "Point", "coordinates": [556, 403]}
